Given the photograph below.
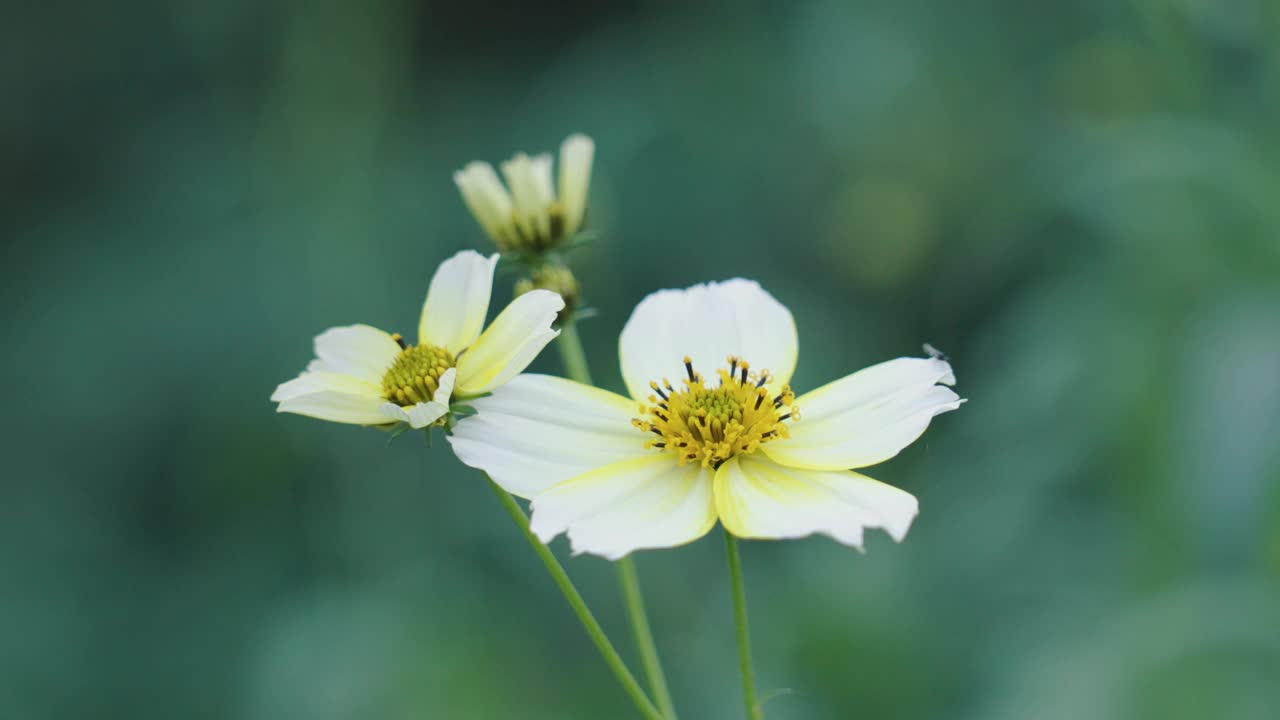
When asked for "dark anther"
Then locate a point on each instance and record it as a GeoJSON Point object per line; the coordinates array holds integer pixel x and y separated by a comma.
{"type": "Point", "coordinates": [764, 378]}
{"type": "Point", "coordinates": [400, 341]}
{"type": "Point", "coordinates": [759, 399]}
{"type": "Point", "coordinates": [664, 417]}
{"type": "Point", "coordinates": [777, 402]}
{"type": "Point", "coordinates": [784, 417]}
{"type": "Point", "coordinates": [688, 368]}
{"type": "Point", "coordinates": [744, 376]}
{"type": "Point", "coordinates": [654, 430]}
{"type": "Point", "coordinates": [659, 445]}
{"type": "Point", "coordinates": [661, 394]}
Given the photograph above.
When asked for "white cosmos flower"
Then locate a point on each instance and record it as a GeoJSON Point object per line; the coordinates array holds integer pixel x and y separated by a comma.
{"type": "Point", "coordinates": [659, 468]}
{"type": "Point", "coordinates": [365, 376]}
{"type": "Point", "coordinates": [532, 215]}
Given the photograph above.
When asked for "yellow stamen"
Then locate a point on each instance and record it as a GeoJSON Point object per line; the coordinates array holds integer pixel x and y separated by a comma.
{"type": "Point", "coordinates": [711, 425]}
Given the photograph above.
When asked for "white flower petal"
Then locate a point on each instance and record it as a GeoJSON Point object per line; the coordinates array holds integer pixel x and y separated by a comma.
{"type": "Point", "coordinates": [647, 502]}
{"type": "Point", "coordinates": [359, 350]}
{"type": "Point", "coordinates": [537, 431]}
{"type": "Point", "coordinates": [544, 192]}
{"type": "Point", "coordinates": [530, 206]}
{"type": "Point", "coordinates": [576, 154]}
{"type": "Point", "coordinates": [708, 323]}
{"type": "Point", "coordinates": [418, 415]}
{"type": "Point", "coordinates": [423, 414]}
{"type": "Point", "coordinates": [393, 412]}
{"type": "Point", "coordinates": [487, 199]}
{"type": "Point", "coordinates": [322, 381]}
{"type": "Point", "coordinates": [360, 408]}
{"type": "Point", "coordinates": [444, 388]}
{"type": "Point", "coordinates": [757, 498]}
{"type": "Point", "coordinates": [507, 347]}
{"type": "Point", "coordinates": [867, 417]}
{"type": "Point", "coordinates": [457, 301]}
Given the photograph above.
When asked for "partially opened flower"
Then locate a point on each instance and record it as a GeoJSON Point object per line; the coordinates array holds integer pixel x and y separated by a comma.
{"type": "Point", "coordinates": [659, 468]}
{"type": "Point", "coordinates": [532, 216]}
{"type": "Point", "coordinates": [365, 376]}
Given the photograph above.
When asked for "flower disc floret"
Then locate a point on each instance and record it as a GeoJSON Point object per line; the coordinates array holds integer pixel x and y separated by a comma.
{"type": "Point", "coordinates": [709, 425]}
{"type": "Point", "coordinates": [415, 374]}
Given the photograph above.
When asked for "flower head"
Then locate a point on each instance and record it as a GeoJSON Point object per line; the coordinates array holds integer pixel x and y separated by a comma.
{"type": "Point", "coordinates": [532, 216]}
{"type": "Point", "coordinates": [712, 431]}
{"type": "Point", "coordinates": [365, 376]}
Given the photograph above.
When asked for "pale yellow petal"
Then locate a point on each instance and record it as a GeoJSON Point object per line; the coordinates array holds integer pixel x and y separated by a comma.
{"type": "Point", "coordinates": [576, 154]}
{"type": "Point", "coordinates": [322, 381]}
{"type": "Point", "coordinates": [487, 200]}
{"type": "Point", "coordinates": [529, 202]}
{"type": "Point", "coordinates": [647, 502]}
{"type": "Point", "coordinates": [333, 397]}
{"type": "Point", "coordinates": [358, 350]}
{"type": "Point", "coordinates": [544, 192]}
{"type": "Point", "coordinates": [537, 431]}
{"type": "Point", "coordinates": [417, 416]}
{"type": "Point", "coordinates": [867, 417]}
{"type": "Point", "coordinates": [707, 323]}
{"type": "Point", "coordinates": [457, 301]}
{"type": "Point", "coordinates": [444, 387]}
{"type": "Point", "coordinates": [507, 347]}
{"type": "Point", "coordinates": [757, 498]}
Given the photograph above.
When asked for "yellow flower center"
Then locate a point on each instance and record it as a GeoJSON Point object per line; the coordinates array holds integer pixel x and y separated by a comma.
{"type": "Point", "coordinates": [415, 375]}
{"type": "Point", "coordinates": [710, 425]}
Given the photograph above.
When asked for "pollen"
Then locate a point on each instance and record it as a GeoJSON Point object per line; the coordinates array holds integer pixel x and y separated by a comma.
{"type": "Point", "coordinates": [415, 374]}
{"type": "Point", "coordinates": [709, 425]}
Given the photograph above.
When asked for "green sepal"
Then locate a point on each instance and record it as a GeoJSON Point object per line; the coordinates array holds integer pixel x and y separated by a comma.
{"type": "Point", "coordinates": [530, 260]}
{"type": "Point", "coordinates": [580, 238]}
{"type": "Point", "coordinates": [395, 431]}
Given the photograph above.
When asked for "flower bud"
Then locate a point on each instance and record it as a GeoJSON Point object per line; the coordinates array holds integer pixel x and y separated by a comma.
{"type": "Point", "coordinates": [556, 278]}
{"type": "Point", "coordinates": [529, 214]}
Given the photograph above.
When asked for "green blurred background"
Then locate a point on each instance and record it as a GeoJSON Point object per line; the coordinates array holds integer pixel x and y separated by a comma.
{"type": "Point", "coordinates": [1079, 202]}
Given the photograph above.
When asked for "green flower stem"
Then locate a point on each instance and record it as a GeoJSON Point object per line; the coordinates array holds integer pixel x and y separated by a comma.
{"type": "Point", "coordinates": [575, 366]}
{"type": "Point", "coordinates": [754, 711]}
{"type": "Point", "coordinates": [574, 598]}
{"type": "Point", "coordinates": [629, 579]}
{"type": "Point", "coordinates": [572, 354]}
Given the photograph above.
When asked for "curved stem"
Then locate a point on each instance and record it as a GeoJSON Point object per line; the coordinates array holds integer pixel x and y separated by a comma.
{"type": "Point", "coordinates": [630, 582]}
{"type": "Point", "coordinates": [589, 623]}
{"type": "Point", "coordinates": [754, 711]}
{"type": "Point", "coordinates": [575, 366]}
